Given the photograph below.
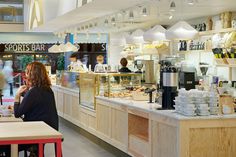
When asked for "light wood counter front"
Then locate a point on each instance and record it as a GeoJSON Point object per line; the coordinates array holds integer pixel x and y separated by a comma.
{"type": "Point", "coordinates": [175, 135]}
{"type": "Point", "coordinates": [138, 129]}
{"type": "Point", "coordinates": [164, 133]}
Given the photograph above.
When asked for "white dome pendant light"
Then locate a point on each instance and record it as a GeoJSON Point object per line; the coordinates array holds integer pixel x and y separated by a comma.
{"type": "Point", "coordinates": [135, 38]}
{"type": "Point", "coordinates": [68, 47]}
{"type": "Point", "coordinates": [181, 31]}
{"type": "Point", "coordinates": [156, 33]}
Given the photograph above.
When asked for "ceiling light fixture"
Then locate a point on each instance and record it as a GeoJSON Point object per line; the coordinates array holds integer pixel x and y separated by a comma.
{"type": "Point", "coordinates": [157, 33]}
{"type": "Point", "coordinates": [181, 31]}
{"type": "Point", "coordinates": [131, 15]}
{"type": "Point", "coordinates": [170, 17]}
{"type": "Point", "coordinates": [136, 37]}
{"type": "Point", "coordinates": [113, 21]}
{"type": "Point", "coordinates": [106, 22]}
{"type": "Point", "coordinates": [172, 6]}
{"type": "Point", "coordinates": [144, 12]}
{"type": "Point", "coordinates": [190, 2]}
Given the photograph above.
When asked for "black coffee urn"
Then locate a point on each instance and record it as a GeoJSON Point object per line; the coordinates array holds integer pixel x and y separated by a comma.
{"type": "Point", "coordinates": [168, 84]}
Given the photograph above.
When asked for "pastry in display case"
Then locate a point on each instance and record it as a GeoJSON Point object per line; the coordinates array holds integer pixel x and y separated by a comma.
{"type": "Point", "coordinates": [118, 85]}
{"type": "Point", "coordinates": [68, 79]}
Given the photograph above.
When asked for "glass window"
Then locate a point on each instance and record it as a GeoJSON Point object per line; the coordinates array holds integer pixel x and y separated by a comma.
{"type": "Point", "coordinates": [11, 11]}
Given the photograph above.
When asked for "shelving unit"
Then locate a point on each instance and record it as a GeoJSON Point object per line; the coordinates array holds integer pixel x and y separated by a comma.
{"type": "Point", "coordinates": [183, 52]}
{"type": "Point", "coordinates": [226, 65]}
{"type": "Point", "coordinates": [138, 133]}
{"type": "Point", "coordinates": [230, 66]}
{"type": "Point", "coordinates": [212, 32]}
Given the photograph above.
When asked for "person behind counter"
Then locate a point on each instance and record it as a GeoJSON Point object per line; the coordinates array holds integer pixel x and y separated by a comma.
{"type": "Point", "coordinates": [75, 63]}
{"type": "Point", "coordinates": [99, 67]}
{"type": "Point", "coordinates": [38, 103]}
{"type": "Point", "coordinates": [124, 68]}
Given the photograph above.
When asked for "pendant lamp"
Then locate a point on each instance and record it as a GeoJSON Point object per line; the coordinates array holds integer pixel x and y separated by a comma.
{"type": "Point", "coordinates": [68, 47]}
{"type": "Point", "coordinates": [118, 39]}
{"type": "Point", "coordinates": [136, 37]}
{"type": "Point", "coordinates": [181, 31]}
{"type": "Point", "coordinates": [56, 48]}
{"type": "Point", "coordinates": [157, 33]}
{"type": "Point", "coordinates": [53, 49]}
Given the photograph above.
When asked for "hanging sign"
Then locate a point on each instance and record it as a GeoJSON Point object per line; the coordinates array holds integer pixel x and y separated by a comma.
{"type": "Point", "coordinates": [20, 47]}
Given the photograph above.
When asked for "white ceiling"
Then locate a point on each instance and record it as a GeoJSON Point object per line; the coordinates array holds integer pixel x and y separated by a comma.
{"type": "Point", "coordinates": [98, 11]}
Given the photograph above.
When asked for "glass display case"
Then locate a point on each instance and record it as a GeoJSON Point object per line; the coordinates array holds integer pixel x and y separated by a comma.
{"type": "Point", "coordinates": [88, 89]}
{"type": "Point", "coordinates": [118, 84]}
{"type": "Point", "coordinates": [106, 84]}
{"type": "Point", "coordinates": [68, 79]}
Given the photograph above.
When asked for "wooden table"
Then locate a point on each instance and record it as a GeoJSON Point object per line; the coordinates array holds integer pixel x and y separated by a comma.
{"type": "Point", "coordinates": [10, 119]}
{"type": "Point", "coordinates": [30, 133]}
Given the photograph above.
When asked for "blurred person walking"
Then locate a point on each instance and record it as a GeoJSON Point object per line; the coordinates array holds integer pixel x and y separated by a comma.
{"type": "Point", "coordinates": [2, 81]}
{"type": "Point", "coordinates": [8, 72]}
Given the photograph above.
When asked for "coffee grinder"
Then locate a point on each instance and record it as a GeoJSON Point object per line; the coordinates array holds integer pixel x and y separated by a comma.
{"type": "Point", "coordinates": [139, 65]}
{"type": "Point", "coordinates": [168, 84]}
{"type": "Point", "coordinates": [204, 68]}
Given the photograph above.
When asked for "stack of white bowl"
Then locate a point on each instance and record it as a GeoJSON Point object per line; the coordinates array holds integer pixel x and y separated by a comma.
{"type": "Point", "coordinates": [213, 103]}
{"type": "Point", "coordinates": [201, 101]}
{"type": "Point", "coordinates": [184, 103]}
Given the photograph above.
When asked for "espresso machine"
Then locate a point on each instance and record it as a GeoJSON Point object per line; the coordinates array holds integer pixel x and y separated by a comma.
{"type": "Point", "coordinates": [168, 84]}
{"type": "Point", "coordinates": [187, 80]}
{"type": "Point", "coordinates": [187, 76]}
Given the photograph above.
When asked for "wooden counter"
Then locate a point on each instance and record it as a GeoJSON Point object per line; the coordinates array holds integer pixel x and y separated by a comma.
{"type": "Point", "coordinates": [179, 136]}
{"type": "Point", "coordinates": [164, 133]}
{"type": "Point", "coordinates": [138, 129]}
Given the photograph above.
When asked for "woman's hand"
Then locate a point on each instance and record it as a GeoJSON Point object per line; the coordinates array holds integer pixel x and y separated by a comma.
{"type": "Point", "coordinates": [21, 90]}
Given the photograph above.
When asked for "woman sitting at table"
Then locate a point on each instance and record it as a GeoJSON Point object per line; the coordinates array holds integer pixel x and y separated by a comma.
{"type": "Point", "coordinates": [38, 103]}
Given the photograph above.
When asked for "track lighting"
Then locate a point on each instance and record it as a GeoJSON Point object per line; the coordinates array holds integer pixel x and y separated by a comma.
{"type": "Point", "coordinates": [113, 21]}
{"type": "Point", "coordinates": [190, 2]}
{"type": "Point", "coordinates": [144, 12]}
{"type": "Point", "coordinates": [131, 15]}
{"type": "Point", "coordinates": [172, 6]}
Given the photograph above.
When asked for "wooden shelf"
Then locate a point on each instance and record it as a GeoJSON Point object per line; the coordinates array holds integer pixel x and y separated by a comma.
{"type": "Point", "coordinates": [183, 52]}
{"type": "Point", "coordinates": [212, 32]}
{"type": "Point", "coordinates": [226, 65]}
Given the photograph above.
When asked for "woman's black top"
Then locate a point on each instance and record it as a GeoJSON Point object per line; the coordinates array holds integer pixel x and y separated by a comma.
{"type": "Point", "coordinates": [38, 104]}
{"type": "Point", "coordinates": [124, 70]}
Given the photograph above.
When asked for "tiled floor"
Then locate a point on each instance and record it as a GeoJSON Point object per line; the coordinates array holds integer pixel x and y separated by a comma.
{"type": "Point", "coordinates": [76, 145]}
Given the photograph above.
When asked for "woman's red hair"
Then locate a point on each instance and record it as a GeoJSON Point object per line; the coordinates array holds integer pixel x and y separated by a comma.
{"type": "Point", "coordinates": [37, 75]}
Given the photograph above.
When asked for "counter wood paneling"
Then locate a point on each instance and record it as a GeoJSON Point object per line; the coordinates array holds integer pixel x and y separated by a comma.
{"type": "Point", "coordinates": [138, 129]}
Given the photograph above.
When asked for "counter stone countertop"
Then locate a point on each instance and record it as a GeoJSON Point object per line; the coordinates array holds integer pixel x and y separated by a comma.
{"type": "Point", "coordinates": [151, 108]}
{"type": "Point", "coordinates": [66, 88]}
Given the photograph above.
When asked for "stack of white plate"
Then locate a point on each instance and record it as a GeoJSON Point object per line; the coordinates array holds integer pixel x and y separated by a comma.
{"type": "Point", "coordinates": [184, 103]}
{"type": "Point", "coordinates": [202, 109]}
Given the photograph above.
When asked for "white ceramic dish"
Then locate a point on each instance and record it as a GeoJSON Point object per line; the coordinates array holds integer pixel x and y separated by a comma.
{"type": "Point", "coordinates": [204, 114]}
